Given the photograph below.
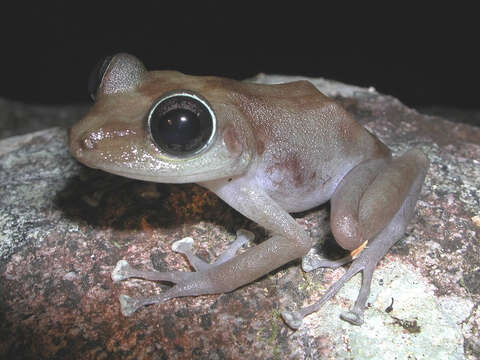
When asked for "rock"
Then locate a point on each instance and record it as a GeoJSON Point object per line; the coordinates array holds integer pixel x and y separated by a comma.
{"type": "Point", "coordinates": [63, 228]}
{"type": "Point", "coordinates": [470, 116]}
{"type": "Point", "coordinates": [17, 118]}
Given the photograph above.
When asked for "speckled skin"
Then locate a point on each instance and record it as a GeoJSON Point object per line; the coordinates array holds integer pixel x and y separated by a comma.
{"type": "Point", "coordinates": [277, 149]}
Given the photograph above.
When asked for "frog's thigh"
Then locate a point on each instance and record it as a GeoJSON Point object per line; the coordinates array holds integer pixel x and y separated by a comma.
{"type": "Point", "coordinates": [370, 195]}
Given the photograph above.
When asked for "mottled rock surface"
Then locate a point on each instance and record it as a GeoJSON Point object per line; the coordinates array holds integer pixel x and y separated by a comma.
{"type": "Point", "coordinates": [63, 227]}
{"type": "Point", "coordinates": [17, 118]}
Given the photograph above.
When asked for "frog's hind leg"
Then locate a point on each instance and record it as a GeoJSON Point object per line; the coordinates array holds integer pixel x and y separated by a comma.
{"type": "Point", "coordinates": [294, 319]}
{"type": "Point", "coordinates": [360, 213]}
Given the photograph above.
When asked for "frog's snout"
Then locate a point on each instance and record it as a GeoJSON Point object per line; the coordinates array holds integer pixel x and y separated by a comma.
{"type": "Point", "coordinates": [79, 143]}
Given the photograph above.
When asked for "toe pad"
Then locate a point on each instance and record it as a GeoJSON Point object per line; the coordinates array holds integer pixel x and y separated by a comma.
{"type": "Point", "coordinates": [293, 319]}
{"type": "Point", "coordinates": [183, 245]}
{"type": "Point", "coordinates": [121, 271]}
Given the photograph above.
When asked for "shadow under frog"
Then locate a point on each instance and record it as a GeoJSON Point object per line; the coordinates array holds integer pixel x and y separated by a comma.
{"type": "Point", "coordinates": [267, 151]}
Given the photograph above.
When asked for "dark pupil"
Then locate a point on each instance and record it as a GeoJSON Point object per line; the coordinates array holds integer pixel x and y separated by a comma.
{"type": "Point", "coordinates": [181, 125]}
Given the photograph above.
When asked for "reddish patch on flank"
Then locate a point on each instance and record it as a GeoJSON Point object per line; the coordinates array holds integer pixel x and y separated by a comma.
{"type": "Point", "coordinates": [293, 169]}
{"type": "Point", "coordinates": [293, 165]}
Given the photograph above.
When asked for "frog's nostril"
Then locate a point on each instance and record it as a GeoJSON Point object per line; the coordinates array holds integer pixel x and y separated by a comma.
{"type": "Point", "coordinates": [80, 145]}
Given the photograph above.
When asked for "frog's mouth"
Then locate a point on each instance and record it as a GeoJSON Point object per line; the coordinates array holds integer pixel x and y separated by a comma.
{"type": "Point", "coordinates": [158, 178]}
{"type": "Point", "coordinates": [169, 174]}
{"type": "Point", "coordinates": [132, 161]}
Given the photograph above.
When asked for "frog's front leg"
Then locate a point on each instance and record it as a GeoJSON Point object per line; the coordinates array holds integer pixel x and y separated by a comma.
{"type": "Point", "coordinates": [124, 271]}
{"type": "Point", "coordinates": [229, 272]}
{"type": "Point", "coordinates": [373, 204]}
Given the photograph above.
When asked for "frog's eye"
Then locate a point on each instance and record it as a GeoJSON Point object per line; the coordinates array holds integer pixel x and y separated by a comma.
{"type": "Point", "coordinates": [96, 76]}
{"type": "Point", "coordinates": [181, 124]}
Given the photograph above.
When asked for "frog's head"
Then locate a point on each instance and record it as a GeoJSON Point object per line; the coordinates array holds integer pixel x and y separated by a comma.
{"type": "Point", "coordinates": [161, 126]}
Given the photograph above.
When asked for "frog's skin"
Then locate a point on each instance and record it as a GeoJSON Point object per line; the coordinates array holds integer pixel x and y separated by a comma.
{"type": "Point", "coordinates": [267, 150]}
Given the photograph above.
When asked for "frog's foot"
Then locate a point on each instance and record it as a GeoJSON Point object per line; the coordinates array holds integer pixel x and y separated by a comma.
{"type": "Point", "coordinates": [129, 305]}
{"type": "Point", "coordinates": [185, 247]}
{"type": "Point", "coordinates": [294, 319]}
{"type": "Point", "coordinates": [186, 283]}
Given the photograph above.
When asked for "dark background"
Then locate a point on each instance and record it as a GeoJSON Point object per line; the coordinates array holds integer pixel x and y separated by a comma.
{"type": "Point", "coordinates": [421, 57]}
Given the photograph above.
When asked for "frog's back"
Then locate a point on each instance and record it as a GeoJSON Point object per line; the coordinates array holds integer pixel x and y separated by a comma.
{"type": "Point", "coordinates": [305, 142]}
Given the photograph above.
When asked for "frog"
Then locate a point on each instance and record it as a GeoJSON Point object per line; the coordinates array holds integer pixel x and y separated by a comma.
{"type": "Point", "coordinates": [267, 150]}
